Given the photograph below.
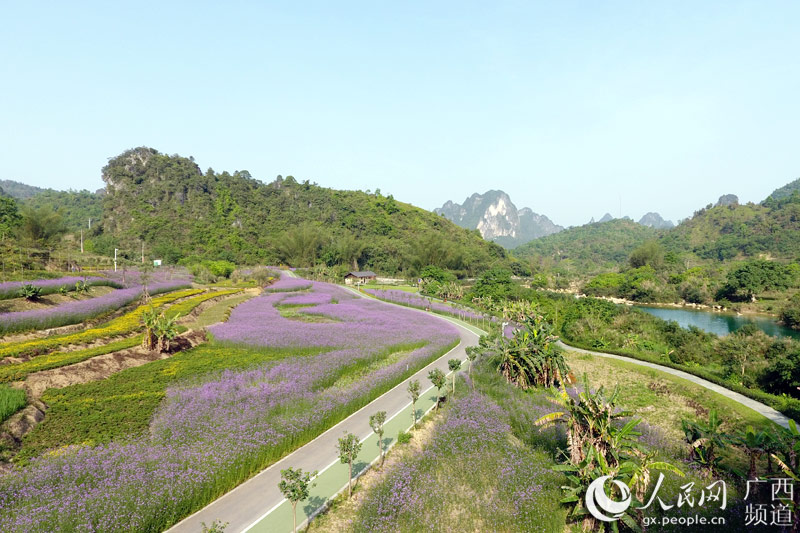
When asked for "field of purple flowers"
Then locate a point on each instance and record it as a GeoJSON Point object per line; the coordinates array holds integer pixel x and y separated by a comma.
{"type": "Point", "coordinates": [472, 476]}
{"type": "Point", "coordinates": [10, 289]}
{"type": "Point", "coordinates": [217, 428]}
{"type": "Point", "coordinates": [81, 310]}
{"type": "Point", "coordinates": [420, 302]}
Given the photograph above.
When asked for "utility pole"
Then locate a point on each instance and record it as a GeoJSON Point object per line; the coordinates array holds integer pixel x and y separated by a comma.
{"type": "Point", "coordinates": [90, 223]}
{"type": "Point", "coordinates": [115, 259]}
{"type": "Point", "coordinates": [81, 240]}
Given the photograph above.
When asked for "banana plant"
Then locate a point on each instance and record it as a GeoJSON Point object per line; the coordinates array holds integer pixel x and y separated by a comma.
{"type": "Point", "coordinates": [704, 439]}
{"type": "Point", "coordinates": [754, 444]}
{"type": "Point", "coordinates": [599, 445]}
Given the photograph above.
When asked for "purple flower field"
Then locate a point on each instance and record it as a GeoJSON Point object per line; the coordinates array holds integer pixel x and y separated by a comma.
{"type": "Point", "coordinates": [420, 302]}
{"type": "Point", "coordinates": [80, 310]}
{"type": "Point", "coordinates": [215, 430]}
{"type": "Point", "coordinates": [288, 284]}
{"type": "Point", "coordinates": [470, 472]}
{"type": "Point", "coordinates": [10, 289]}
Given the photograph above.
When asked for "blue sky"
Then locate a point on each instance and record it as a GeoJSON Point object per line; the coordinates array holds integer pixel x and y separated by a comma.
{"type": "Point", "coordinates": [567, 106]}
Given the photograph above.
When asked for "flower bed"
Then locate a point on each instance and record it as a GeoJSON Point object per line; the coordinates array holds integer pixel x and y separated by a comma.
{"type": "Point", "coordinates": [215, 430]}
{"type": "Point", "coordinates": [119, 326]}
{"type": "Point", "coordinates": [287, 284]}
{"type": "Point", "coordinates": [80, 310]}
{"type": "Point", "coordinates": [471, 470]}
{"type": "Point", "coordinates": [420, 302]}
{"type": "Point", "coordinates": [10, 289]}
{"type": "Point", "coordinates": [18, 371]}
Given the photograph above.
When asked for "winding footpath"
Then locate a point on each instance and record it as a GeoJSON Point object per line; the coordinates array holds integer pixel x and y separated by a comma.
{"type": "Point", "coordinates": [764, 410]}
{"type": "Point", "coordinates": [258, 506]}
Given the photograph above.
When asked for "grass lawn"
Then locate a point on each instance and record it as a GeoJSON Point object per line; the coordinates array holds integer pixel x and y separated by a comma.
{"type": "Point", "coordinates": [660, 397]}
{"type": "Point", "coordinates": [406, 288]}
{"type": "Point", "coordinates": [218, 312]}
{"type": "Point", "coordinates": [663, 400]}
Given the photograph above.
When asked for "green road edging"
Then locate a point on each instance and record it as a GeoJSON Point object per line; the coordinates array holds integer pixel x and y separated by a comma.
{"type": "Point", "coordinates": [333, 480]}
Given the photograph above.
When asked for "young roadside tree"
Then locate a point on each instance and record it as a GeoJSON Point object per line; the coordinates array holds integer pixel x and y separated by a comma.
{"type": "Point", "coordinates": [413, 393]}
{"type": "Point", "coordinates": [439, 380]}
{"type": "Point", "coordinates": [348, 449]}
{"type": "Point", "coordinates": [454, 365]}
{"type": "Point", "coordinates": [472, 354]}
{"type": "Point", "coordinates": [295, 486]}
{"type": "Point", "coordinates": [376, 422]}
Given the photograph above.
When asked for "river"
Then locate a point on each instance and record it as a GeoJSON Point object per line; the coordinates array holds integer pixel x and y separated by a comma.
{"type": "Point", "coordinates": [719, 323]}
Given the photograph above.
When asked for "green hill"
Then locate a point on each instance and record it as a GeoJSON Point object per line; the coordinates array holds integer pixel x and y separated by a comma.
{"type": "Point", "coordinates": [784, 192]}
{"type": "Point", "coordinates": [20, 191]}
{"type": "Point", "coordinates": [589, 248]}
{"type": "Point", "coordinates": [740, 231]}
{"type": "Point", "coordinates": [179, 212]}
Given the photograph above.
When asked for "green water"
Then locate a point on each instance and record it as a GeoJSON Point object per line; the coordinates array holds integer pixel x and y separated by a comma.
{"type": "Point", "coordinates": [719, 323]}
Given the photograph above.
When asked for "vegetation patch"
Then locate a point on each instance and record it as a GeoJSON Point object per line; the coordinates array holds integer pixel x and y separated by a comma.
{"type": "Point", "coordinates": [119, 326]}
{"type": "Point", "coordinates": [11, 401]}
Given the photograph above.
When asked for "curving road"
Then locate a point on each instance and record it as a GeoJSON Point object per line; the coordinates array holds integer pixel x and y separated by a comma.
{"type": "Point", "coordinates": [258, 505]}
{"type": "Point", "coordinates": [758, 407]}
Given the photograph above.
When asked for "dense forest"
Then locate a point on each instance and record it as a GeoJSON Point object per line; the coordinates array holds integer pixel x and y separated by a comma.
{"type": "Point", "coordinates": [182, 213]}
{"type": "Point", "coordinates": [589, 248]}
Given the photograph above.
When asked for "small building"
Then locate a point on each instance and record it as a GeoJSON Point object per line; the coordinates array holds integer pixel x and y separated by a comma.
{"type": "Point", "coordinates": [359, 277]}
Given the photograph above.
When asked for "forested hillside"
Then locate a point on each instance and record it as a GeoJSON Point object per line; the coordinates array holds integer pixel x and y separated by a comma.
{"type": "Point", "coordinates": [180, 211]}
{"type": "Point", "coordinates": [784, 192]}
{"type": "Point", "coordinates": [588, 248]}
{"type": "Point", "coordinates": [740, 231]}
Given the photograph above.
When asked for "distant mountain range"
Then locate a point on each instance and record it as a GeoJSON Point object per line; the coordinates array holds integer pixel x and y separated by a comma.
{"type": "Point", "coordinates": [20, 191]}
{"type": "Point", "coordinates": [498, 219]}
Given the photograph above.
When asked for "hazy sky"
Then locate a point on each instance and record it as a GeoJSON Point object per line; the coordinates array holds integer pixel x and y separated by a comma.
{"type": "Point", "coordinates": [567, 106]}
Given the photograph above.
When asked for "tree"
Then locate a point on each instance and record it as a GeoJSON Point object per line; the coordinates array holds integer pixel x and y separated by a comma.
{"type": "Point", "coordinates": [495, 282]}
{"type": "Point", "coordinates": [748, 279]}
{"type": "Point", "coordinates": [300, 246]}
{"type": "Point", "coordinates": [9, 216]}
{"type": "Point", "coordinates": [438, 379]}
{"type": "Point", "coordinates": [42, 226]}
{"type": "Point", "coordinates": [472, 354]}
{"type": "Point", "coordinates": [295, 486]}
{"type": "Point", "coordinates": [454, 365]}
{"type": "Point", "coordinates": [648, 254]}
{"type": "Point", "coordinates": [376, 422]}
{"type": "Point", "coordinates": [790, 315]}
{"type": "Point", "coordinates": [348, 449]}
{"type": "Point", "coordinates": [349, 250]}
{"type": "Point", "coordinates": [413, 393]}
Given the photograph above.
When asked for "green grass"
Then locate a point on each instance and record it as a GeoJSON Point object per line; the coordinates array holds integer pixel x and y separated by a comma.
{"type": "Point", "coordinates": [219, 312]}
{"type": "Point", "coordinates": [11, 401]}
{"type": "Point", "coordinates": [406, 288]}
{"type": "Point", "coordinates": [19, 371]}
{"type": "Point", "coordinates": [122, 405]}
{"type": "Point", "coordinates": [293, 312]}
{"type": "Point", "coordinates": [662, 408]}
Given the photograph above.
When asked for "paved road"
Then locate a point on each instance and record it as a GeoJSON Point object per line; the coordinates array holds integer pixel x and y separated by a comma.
{"type": "Point", "coordinates": [258, 505]}
{"type": "Point", "coordinates": [758, 407]}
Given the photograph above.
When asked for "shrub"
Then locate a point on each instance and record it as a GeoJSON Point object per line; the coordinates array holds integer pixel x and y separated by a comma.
{"type": "Point", "coordinates": [30, 292]}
